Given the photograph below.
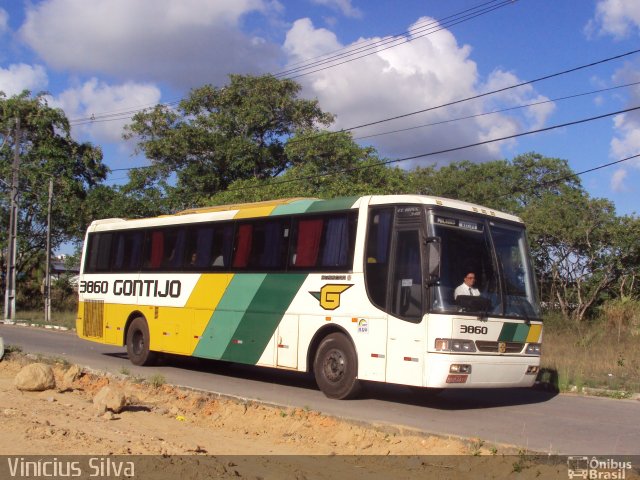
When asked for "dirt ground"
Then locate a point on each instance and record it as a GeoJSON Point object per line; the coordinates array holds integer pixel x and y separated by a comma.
{"type": "Point", "coordinates": [184, 428]}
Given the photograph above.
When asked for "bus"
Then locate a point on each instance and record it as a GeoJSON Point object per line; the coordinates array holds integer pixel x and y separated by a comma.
{"type": "Point", "coordinates": [352, 289]}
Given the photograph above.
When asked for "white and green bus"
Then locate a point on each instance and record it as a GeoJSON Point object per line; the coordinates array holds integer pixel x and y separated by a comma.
{"type": "Point", "coordinates": [363, 288]}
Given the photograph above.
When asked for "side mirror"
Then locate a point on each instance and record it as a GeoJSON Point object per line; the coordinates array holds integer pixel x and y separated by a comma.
{"type": "Point", "coordinates": [433, 259]}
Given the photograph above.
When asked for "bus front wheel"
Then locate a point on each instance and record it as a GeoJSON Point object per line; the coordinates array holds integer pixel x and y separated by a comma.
{"type": "Point", "coordinates": [336, 367]}
{"type": "Point", "coordinates": [138, 343]}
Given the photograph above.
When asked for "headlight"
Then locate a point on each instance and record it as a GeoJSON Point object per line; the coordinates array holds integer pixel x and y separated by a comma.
{"type": "Point", "coordinates": [455, 345]}
{"type": "Point", "coordinates": [534, 349]}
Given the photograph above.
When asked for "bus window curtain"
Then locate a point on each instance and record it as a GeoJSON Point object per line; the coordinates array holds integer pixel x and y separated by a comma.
{"type": "Point", "coordinates": [204, 244]}
{"type": "Point", "coordinates": [271, 256]}
{"type": "Point", "coordinates": [227, 243]}
{"type": "Point", "coordinates": [178, 250]}
{"type": "Point", "coordinates": [135, 243]}
{"type": "Point", "coordinates": [241, 258]}
{"type": "Point", "coordinates": [119, 260]}
{"type": "Point", "coordinates": [308, 246]}
{"type": "Point", "coordinates": [336, 243]}
{"type": "Point", "coordinates": [157, 249]}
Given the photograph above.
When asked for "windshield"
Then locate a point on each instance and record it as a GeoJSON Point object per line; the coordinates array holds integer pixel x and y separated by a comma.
{"type": "Point", "coordinates": [484, 269]}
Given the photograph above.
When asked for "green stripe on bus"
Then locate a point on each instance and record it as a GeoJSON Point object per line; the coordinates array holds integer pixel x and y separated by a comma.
{"type": "Point", "coordinates": [343, 203]}
{"type": "Point", "coordinates": [228, 315]}
{"type": "Point", "coordinates": [263, 317]}
{"type": "Point", "coordinates": [507, 333]}
{"type": "Point", "coordinates": [299, 206]}
{"type": "Point", "coordinates": [520, 335]}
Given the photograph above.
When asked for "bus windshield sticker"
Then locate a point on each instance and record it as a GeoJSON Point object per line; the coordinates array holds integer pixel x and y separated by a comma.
{"type": "Point", "coordinates": [453, 222]}
{"type": "Point", "coordinates": [409, 211]}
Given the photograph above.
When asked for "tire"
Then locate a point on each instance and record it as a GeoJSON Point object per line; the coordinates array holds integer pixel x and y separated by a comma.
{"type": "Point", "coordinates": [336, 367]}
{"type": "Point", "coordinates": [138, 343]}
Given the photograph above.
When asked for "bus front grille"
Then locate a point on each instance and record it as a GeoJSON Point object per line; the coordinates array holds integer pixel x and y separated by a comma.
{"type": "Point", "coordinates": [93, 318]}
{"type": "Point", "coordinates": [494, 347]}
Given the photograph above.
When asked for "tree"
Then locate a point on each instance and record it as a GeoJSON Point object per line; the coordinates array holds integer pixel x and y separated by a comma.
{"type": "Point", "coordinates": [220, 135]}
{"type": "Point", "coordinates": [509, 186]}
{"type": "Point", "coordinates": [575, 242]}
{"type": "Point", "coordinates": [47, 151]}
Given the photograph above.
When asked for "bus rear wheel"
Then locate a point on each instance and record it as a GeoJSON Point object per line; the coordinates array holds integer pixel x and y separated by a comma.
{"type": "Point", "coordinates": [336, 367]}
{"type": "Point", "coordinates": [138, 343]}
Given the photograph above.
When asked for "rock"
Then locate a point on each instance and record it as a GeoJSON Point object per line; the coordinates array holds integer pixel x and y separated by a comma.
{"type": "Point", "coordinates": [110, 398]}
{"type": "Point", "coordinates": [1, 348]}
{"type": "Point", "coordinates": [71, 375]}
{"type": "Point", "coordinates": [35, 377]}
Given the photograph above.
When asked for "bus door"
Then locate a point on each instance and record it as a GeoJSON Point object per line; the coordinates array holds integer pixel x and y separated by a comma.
{"type": "Point", "coordinates": [395, 285]}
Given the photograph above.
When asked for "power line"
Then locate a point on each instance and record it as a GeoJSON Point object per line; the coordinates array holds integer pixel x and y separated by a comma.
{"type": "Point", "coordinates": [493, 92]}
{"type": "Point", "coordinates": [365, 43]}
{"type": "Point", "coordinates": [396, 40]}
{"type": "Point", "coordinates": [475, 97]}
{"type": "Point", "coordinates": [422, 155]}
{"type": "Point", "coordinates": [417, 28]}
{"type": "Point", "coordinates": [438, 152]}
{"type": "Point", "coordinates": [493, 112]}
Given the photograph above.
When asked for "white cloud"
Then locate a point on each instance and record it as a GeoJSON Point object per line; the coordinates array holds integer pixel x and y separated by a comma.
{"type": "Point", "coordinates": [343, 6]}
{"type": "Point", "coordinates": [103, 102]}
{"type": "Point", "coordinates": [186, 43]}
{"type": "Point", "coordinates": [617, 180]}
{"type": "Point", "coordinates": [626, 139]}
{"type": "Point", "coordinates": [19, 77]}
{"type": "Point", "coordinates": [524, 95]}
{"type": "Point", "coordinates": [618, 18]}
{"type": "Point", "coordinates": [4, 20]}
{"type": "Point", "coordinates": [427, 72]}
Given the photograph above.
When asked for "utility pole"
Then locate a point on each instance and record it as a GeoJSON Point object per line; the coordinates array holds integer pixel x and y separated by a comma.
{"type": "Point", "coordinates": [47, 277]}
{"type": "Point", "coordinates": [10, 290]}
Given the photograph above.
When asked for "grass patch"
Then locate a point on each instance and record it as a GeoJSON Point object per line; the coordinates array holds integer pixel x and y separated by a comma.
{"type": "Point", "coordinates": [65, 319]}
{"type": "Point", "coordinates": [590, 354]}
{"type": "Point", "coordinates": [157, 380]}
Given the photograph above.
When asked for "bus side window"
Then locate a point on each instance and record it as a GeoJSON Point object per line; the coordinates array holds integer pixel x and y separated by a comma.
{"type": "Point", "coordinates": [128, 251]}
{"type": "Point", "coordinates": [307, 247]}
{"type": "Point", "coordinates": [335, 244]}
{"type": "Point", "coordinates": [377, 255]}
{"type": "Point", "coordinates": [222, 246]}
{"type": "Point", "coordinates": [98, 258]}
{"type": "Point", "coordinates": [173, 248]}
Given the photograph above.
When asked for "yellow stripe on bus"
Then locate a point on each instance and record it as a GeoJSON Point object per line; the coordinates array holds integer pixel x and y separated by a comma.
{"type": "Point", "coordinates": [253, 212]}
{"type": "Point", "coordinates": [534, 334]}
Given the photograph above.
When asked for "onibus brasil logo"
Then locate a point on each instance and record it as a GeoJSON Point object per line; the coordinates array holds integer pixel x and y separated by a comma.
{"type": "Point", "coordinates": [595, 468]}
{"type": "Point", "coordinates": [329, 295]}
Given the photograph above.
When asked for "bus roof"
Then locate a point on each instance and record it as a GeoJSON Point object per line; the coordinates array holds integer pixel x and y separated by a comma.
{"type": "Point", "coordinates": [289, 206]}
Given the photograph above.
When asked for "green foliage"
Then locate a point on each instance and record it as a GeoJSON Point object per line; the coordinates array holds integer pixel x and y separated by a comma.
{"type": "Point", "coordinates": [220, 135]}
{"type": "Point", "coordinates": [46, 151]}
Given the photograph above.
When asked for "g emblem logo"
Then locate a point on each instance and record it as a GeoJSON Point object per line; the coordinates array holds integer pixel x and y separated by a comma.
{"type": "Point", "coordinates": [329, 295]}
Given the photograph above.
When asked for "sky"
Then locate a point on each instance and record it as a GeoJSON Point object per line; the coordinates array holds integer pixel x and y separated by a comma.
{"type": "Point", "coordinates": [364, 61]}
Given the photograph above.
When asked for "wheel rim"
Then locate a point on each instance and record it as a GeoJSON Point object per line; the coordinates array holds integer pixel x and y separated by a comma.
{"type": "Point", "coordinates": [334, 366]}
{"type": "Point", "coordinates": [138, 342]}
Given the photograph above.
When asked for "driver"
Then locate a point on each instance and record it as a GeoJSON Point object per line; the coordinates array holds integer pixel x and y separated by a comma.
{"type": "Point", "coordinates": [467, 286]}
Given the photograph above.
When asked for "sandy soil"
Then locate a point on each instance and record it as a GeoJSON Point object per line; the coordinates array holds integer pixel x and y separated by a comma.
{"type": "Point", "coordinates": [180, 425]}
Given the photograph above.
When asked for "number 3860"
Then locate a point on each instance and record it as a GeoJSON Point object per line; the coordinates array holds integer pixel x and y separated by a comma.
{"type": "Point", "coordinates": [477, 329]}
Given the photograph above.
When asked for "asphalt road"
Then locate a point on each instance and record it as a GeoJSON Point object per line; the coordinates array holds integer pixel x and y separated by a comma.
{"type": "Point", "coordinates": [534, 420]}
